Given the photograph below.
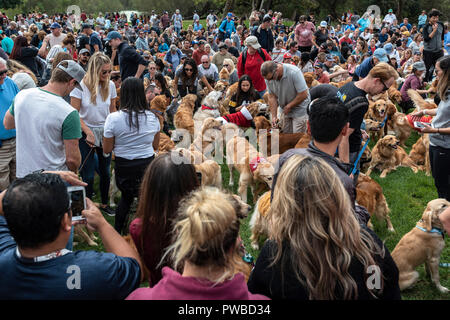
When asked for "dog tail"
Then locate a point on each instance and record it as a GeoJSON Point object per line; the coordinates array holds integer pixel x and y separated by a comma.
{"type": "Point", "coordinates": [417, 99]}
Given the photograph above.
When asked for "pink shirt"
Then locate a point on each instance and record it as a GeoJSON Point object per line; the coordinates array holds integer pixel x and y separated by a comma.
{"type": "Point", "coordinates": [173, 286]}
{"type": "Point", "coordinates": [304, 34]}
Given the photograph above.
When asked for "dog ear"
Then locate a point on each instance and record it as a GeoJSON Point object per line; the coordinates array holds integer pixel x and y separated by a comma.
{"type": "Point", "coordinates": [427, 217]}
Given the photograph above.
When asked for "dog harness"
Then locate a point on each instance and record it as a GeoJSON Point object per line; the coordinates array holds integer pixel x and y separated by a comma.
{"type": "Point", "coordinates": [255, 161]}
{"type": "Point", "coordinates": [434, 230]}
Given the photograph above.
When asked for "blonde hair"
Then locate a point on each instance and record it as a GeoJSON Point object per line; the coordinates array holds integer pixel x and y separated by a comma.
{"type": "Point", "coordinates": [206, 230]}
{"type": "Point", "coordinates": [311, 211]}
{"type": "Point", "coordinates": [92, 77]}
{"type": "Point", "coordinates": [230, 62]}
{"type": "Point", "coordinates": [383, 71]}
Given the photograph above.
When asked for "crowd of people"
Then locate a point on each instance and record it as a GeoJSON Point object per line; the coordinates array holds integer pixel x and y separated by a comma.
{"type": "Point", "coordinates": [72, 100]}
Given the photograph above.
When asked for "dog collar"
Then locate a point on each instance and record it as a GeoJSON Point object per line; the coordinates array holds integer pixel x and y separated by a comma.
{"type": "Point", "coordinates": [157, 111]}
{"type": "Point", "coordinates": [434, 230]}
{"type": "Point", "coordinates": [206, 107]}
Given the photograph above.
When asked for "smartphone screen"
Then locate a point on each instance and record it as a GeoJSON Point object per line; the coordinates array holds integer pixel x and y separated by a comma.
{"type": "Point", "coordinates": [77, 203]}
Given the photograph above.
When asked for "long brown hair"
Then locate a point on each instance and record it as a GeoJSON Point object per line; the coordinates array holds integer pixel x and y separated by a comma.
{"type": "Point", "coordinates": [315, 228]}
{"type": "Point", "coordinates": [164, 184]}
{"type": "Point", "coordinates": [19, 43]}
{"type": "Point", "coordinates": [444, 81]}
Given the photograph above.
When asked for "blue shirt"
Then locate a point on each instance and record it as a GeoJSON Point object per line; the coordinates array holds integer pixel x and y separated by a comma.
{"type": "Point", "coordinates": [198, 27]}
{"type": "Point", "coordinates": [364, 68]}
{"type": "Point", "coordinates": [423, 19]}
{"type": "Point", "coordinates": [447, 42]}
{"type": "Point", "coordinates": [8, 91]}
{"type": "Point", "coordinates": [408, 26]}
{"type": "Point", "coordinates": [95, 39]}
{"type": "Point", "coordinates": [77, 275]}
{"type": "Point", "coordinates": [7, 44]}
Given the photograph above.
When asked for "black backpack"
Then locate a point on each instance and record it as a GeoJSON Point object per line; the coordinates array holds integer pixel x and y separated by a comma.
{"type": "Point", "coordinates": [244, 57]}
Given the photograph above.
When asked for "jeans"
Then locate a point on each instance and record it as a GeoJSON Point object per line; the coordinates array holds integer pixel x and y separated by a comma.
{"type": "Point", "coordinates": [177, 30]}
{"type": "Point", "coordinates": [129, 174]}
{"type": "Point", "coordinates": [440, 169]}
{"type": "Point", "coordinates": [89, 166]}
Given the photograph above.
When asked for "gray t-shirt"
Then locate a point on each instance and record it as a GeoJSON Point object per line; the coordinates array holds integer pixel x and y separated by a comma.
{"type": "Point", "coordinates": [435, 43]}
{"type": "Point", "coordinates": [441, 120]}
{"type": "Point", "coordinates": [287, 88]}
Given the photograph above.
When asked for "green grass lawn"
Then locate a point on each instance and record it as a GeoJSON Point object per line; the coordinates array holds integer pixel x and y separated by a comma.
{"type": "Point", "coordinates": [407, 195]}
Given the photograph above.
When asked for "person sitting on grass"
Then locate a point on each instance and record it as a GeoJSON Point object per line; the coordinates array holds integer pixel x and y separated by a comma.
{"type": "Point", "coordinates": [35, 226]}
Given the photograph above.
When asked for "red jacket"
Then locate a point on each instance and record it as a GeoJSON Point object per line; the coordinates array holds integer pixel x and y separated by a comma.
{"type": "Point", "coordinates": [253, 69]}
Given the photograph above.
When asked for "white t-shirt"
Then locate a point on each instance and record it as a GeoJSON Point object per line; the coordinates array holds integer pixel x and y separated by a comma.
{"type": "Point", "coordinates": [94, 115]}
{"type": "Point", "coordinates": [129, 143]}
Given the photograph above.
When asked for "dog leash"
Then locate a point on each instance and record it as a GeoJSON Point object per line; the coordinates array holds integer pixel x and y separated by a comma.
{"type": "Point", "coordinates": [384, 122]}
{"type": "Point", "coordinates": [87, 157]}
{"type": "Point", "coordinates": [355, 164]}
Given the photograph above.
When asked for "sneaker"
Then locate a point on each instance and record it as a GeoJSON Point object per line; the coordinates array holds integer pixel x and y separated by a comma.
{"type": "Point", "coordinates": [108, 210]}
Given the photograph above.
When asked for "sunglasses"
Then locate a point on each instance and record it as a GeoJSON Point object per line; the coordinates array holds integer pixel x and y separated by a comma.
{"type": "Point", "coordinates": [3, 72]}
{"type": "Point", "coordinates": [384, 85]}
{"type": "Point", "coordinates": [226, 65]}
{"type": "Point", "coordinates": [106, 72]}
{"type": "Point", "coordinates": [187, 70]}
{"type": "Point", "coordinates": [205, 62]}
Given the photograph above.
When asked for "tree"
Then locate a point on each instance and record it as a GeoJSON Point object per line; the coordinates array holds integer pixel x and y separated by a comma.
{"type": "Point", "coordinates": [8, 4]}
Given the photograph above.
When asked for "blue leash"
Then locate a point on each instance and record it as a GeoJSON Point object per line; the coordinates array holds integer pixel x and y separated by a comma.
{"type": "Point", "coordinates": [355, 164]}
{"type": "Point", "coordinates": [384, 122]}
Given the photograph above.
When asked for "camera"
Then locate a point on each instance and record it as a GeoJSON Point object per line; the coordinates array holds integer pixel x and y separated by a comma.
{"type": "Point", "coordinates": [77, 196]}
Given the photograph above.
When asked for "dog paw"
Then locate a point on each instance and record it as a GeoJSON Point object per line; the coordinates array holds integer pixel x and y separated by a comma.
{"type": "Point", "coordinates": [92, 244]}
{"type": "Point", "coordinates": [442, 289]}
{"type": "Point", "coordinates": [391, 230]}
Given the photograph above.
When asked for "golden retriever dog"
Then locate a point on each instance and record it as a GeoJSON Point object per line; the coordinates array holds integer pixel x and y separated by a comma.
{"type": "Point", "coordinates": [310, 79]}
{"type": "Point", "coordinates": [87, 236]}
{"type": "Point", "coordinates": [165, 143]}
{"type": "Point", "coordinates": [183, 118]}
{"type": "Point", "coordinates": [420, 153]}
{"type": "Point", "coordinates": [387, 155]}
{"type": "Point", "coordinates": [303, 142]}
{"type": "Point", "coordinates": [400, 125]}
{"type": "Point", "coordinates": [223, 83]}
{"type": "Point", "coordinates": [339, 84]}
{"type": "Point", "coordinates": [393, 94]}
{"type": "Point", "coordinates": [423, 244]}
{"type": "Point", "coordinates": [369, 194]}
{"type": "Point", "coordinates": [209, 133]}
{"type": "Point", "coordinates": [259, 221]}
{"type": "Point", "coordinates": [419, 102]}
{"type": "Point", "coordinates": [271, 143]}
{"type": "Point", "coordinates": [209, 108]}
{"type": "Point", "coordinates": [376, 111]}
{"type": "Point", "coordinates": [433, 88]}
{"type": "Point", "coordinates": [373, 128]}
{"type": "Point", "coordinates": [211, 174]}
{"type": "Point", "coordinates": [251, 165]}
{"type": "Point", "coordinates": [193, 156]}
{"type": "Point", "coordinates": [145, 271]}
{"type": "Point", "coordinates": [159, 105]}
{"type": "Point", "coordinates": [261, 123]}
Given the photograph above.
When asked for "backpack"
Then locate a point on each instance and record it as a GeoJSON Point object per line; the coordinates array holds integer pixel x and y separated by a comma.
{"type": "Point", "coordinates": [244, 57]}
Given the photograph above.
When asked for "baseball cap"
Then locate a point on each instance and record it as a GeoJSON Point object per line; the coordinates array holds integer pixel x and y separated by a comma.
{"type": "Point", "coordinates": [381, 55]}
{"type": "Point", "coordinates": [223, 46]}
{"type": "Point", "coordinates": [318, 65]}
{"type": "Point", "coordinates": [330, 57]}
{"type": "Point", "coordinates": [417, 52]}
{"type": "Point", "coordinates": [420, 66]}
{"type": "Point", "coordinates": [390, 10]}
{"type": "Point", "coordinates": [323, 24]}
{"type": "Point", "coordinates": [267, 19]}
{"type": "Point", "coordinates": [287, 55]}
{"type": "Point", "coordinates": [113, 35]}
{"type": "Point", "coordinates": [388, 47]}
{"type": "Point", "coordinates": [252, 41]}
{"type": "Point", "coordinates": [55, 25]}
{"type": "Point", "coordinates": [229, 14]}
{"type": "Point", "coordinates": [82, 51]}
{"type": "Point", "coordinates": [85, 26]}
{"type": "Point", "coordinates": [73, 69]}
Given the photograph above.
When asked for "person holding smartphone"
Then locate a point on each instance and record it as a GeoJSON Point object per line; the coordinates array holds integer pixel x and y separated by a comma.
{"type": "Point", "coordinates": [440, 130]}
{"type": "Point", "coordinates": [35, 225]}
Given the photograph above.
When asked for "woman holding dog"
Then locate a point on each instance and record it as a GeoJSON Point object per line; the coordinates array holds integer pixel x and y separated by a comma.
{"type": "Point", "coordinates": [440, 130]}
{"type": "Point", "coordinates": [95, 101]}
{"type": "Point", "coordinates": [133, 134]}
{"type": "Point", "coordinates": [204, 252]}
{"type": "Point", "coordinates": [318, 250]}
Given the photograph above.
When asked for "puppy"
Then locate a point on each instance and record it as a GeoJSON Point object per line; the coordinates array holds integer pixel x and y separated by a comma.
{"type": "Point", "coordinates": [259, 221]}
{"type": "Point", "coordinates": [183, 119]}
{"type": "Point", "coordinates": [159, 105]}
{"type": "Point", "coordinates": [370, 195]}
{"type": "Point", "coordinates": [423, 244]}
{"type": "Point", "coordinates": [399, 123]}
{"type": "Point", "coordinates": [420, 153]}
{"type": "Point", "coordinates": [387, 155]}
{"type": "Point", "coordinates": [310, 79]}
{"type": "Point", "coordinates": [223, 83]}
{"type": "Point", "coordinates": [250, 163]}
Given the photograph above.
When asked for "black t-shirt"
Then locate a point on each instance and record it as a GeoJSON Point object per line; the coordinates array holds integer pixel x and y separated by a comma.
{"type": "Point", "coordinates": [320, 37]}
{"type": "Point", "coordinates": [322, 91]}
{"type": "Point", "coordinates": [82, 41]}
{"type": "Point", "coordinates": [347, 93]}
